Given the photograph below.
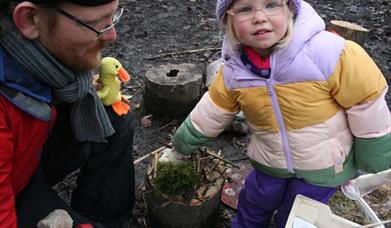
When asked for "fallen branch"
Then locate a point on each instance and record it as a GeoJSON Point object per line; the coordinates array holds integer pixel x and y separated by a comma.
{"type": "Point", "coordinates": [182, 52]}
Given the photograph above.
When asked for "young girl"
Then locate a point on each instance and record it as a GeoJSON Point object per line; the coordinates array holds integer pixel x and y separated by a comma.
{"type": "Point", "coordinates": [314, 101]}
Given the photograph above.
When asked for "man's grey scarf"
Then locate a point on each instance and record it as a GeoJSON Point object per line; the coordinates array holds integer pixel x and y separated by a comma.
{"type": "Point", "coordinates": [89, 119]}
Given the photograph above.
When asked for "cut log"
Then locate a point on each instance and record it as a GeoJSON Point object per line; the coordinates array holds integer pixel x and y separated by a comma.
{"type": "Point", "coordinates": [349, 31]}
{"type": "Point", "coordinates": [164, 213]}
{"type": "Point", "coordinates": [199, 212]}
{"type": "Point", "coordinates": [172, 90]}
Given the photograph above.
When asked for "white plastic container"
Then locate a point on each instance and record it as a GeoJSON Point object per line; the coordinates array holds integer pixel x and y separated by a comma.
{"type": "Point", "coordinates": [363, 185]}
{"type": "Point", "coordinates": [309, 213]}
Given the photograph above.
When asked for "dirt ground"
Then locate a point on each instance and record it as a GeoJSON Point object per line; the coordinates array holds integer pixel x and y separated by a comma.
{"type": "Point", "coordinates": [154, 32]}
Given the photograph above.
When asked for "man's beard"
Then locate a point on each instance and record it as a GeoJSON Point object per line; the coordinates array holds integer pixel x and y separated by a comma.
{"type": "Point", "coordinates": [84, 65]}
{"type": "Point", "coordinates": [81, 64]}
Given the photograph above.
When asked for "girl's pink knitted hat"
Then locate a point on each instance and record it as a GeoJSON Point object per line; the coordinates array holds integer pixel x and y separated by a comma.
{"type": "Point", "coordinates": [223, 5]}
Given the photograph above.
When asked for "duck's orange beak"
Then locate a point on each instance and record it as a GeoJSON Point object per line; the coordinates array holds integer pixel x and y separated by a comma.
{"type": "Point", "coordinates": [123, 75]}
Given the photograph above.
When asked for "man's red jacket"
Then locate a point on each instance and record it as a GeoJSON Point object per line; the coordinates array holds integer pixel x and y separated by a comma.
{"type": "Point", "coordinates": [23, 131]}
{"type": "Point", "coordinates": [21, 139]}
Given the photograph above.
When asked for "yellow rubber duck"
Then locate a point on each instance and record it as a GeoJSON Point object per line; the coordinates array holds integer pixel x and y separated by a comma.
{"type": "Point", "coordinates": [110, 93]}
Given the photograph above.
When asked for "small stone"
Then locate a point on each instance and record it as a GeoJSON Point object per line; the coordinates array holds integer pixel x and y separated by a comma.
{"type": "Point", "coordinates": [56, 219]}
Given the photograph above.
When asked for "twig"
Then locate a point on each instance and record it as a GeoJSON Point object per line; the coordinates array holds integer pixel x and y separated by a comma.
{"type": "Point", "coordinates": [144, 223]}
{"type": "Point", "coordinates": [149, 154]}
{"type": "Point", "coordinates": [207, 188]}
{"type": "Point", "coordinates": [164, 126]}
{"type": "Point", "coordinates": [146, 209]}
{"type": "Point", "coordinates": [215, 165]}
{"type": "Point", "coordinates": [240, 159]}
{"type": "Point", "coordinates": [182, 52]}
{"type": "Point", "coordinates": [199, 160]}
{"type": "Point", "coordinates": [213, 182]}
{"type": "Point", "coordinates": [145, 204]}
{"type": "Point", "coordinates": [222, 159]}
{"type": "Point", "coordinates": [155, 166]}
{"type": "Point", "coordinates": [165, 204]}
{"type": "Point", "coordinates": [140, 186]}
{"type": "Point", "coordinates": [168, 145]}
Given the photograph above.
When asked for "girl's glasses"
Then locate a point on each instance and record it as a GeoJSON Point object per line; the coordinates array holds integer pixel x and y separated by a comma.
{"type": "Point", "coordinates": [116, 17]}
{"type": "Point", "coordinates": [245, 12]}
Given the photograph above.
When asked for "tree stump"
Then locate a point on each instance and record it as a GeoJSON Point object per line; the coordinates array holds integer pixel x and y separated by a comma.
{"type": "Point", "coordinates": [198, 212]}
{"type": "Point", "coordinates": [172, 90]}
{"type": "Point", "coordinates": [349, 31]}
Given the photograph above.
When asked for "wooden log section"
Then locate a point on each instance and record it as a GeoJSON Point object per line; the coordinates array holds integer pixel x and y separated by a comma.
{"type": "Point", "coordinates": [349, 31]}
{"type": "Point", "coordinates": [199, 212]}
{"type": "Point", "coordinates": [165, 213]}
{"type": "Point", "coordinates": [172, 90]}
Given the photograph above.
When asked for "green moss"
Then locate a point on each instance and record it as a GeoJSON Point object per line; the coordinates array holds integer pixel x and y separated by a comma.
{"type": "Point", "coordinates": [175, 180]}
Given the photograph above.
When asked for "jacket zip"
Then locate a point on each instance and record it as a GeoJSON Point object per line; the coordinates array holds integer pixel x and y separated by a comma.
{"type": "Point", "coordinates": [281, 124]}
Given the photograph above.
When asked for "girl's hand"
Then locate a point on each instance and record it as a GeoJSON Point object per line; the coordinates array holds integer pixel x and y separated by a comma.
{"type": "Point", "coordinates": [96, 83]}
{"type": "Point", "coordinates": [170, 155]}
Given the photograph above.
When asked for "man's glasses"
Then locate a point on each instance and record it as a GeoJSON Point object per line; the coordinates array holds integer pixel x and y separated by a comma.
{"type": "Point", "coordinates": [245, 12]}
{"type": "Point", "coordinates": [116, 17]}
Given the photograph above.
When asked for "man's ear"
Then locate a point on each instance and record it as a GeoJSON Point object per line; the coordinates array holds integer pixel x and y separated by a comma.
{"type": "Point", "coordinates": [25, 19]}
